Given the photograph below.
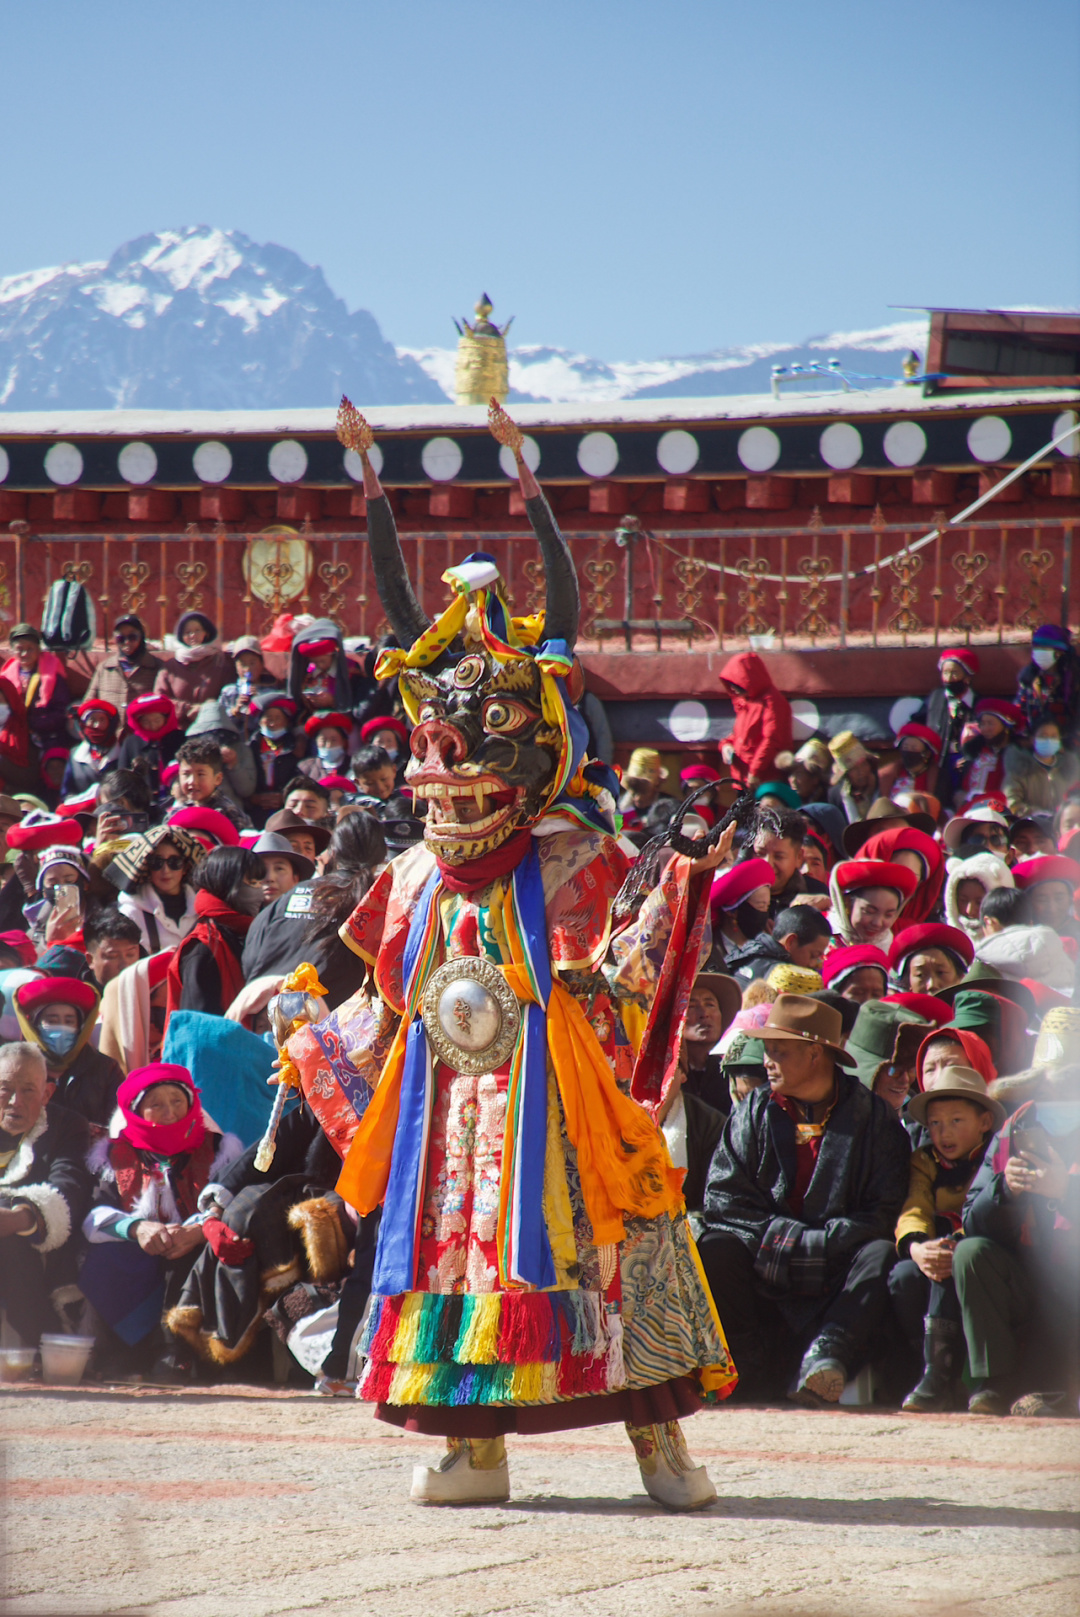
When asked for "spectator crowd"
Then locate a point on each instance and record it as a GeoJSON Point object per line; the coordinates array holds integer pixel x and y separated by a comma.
{"type": "Point", "coordinates": [878, 1105]}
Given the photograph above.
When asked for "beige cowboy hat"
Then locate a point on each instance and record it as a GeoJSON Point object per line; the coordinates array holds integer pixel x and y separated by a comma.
{"type": "Point", "coordinates": [956, 1083]}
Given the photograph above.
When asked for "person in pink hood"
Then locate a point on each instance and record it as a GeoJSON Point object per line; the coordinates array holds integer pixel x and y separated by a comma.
{"type": "Point", "coordinates": [762, 719]}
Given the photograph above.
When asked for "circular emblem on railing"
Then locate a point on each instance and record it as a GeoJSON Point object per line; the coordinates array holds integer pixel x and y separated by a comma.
{"type": "Point", "coordinates": [471, 1015]}
{"type": "Point", "coordinates": [355, 466]}
{"type": "Point", "coordinates": [441, 459]}
{"type": "Point", "coordinates": [212, 462]}
{"type": "Point", "coordinates": [759, 449]}
{"type": "Point", "coordinates": [598, 454]}
{"type": "Point", "coordinates": [288, 461]}
{"type": "Point", "coordinates": [677, 452]}
{"type": "Point", "coordinates": [63, 464]}
{"type": "Point", "coordinates": [904, 443]}
{"type": "Point", "coordinates": [530, 454]}
{"type": "Point", "coordinates": [137, 463]}
{"type": "Point", "coordinates": [989, 438]}
{"type": "Point", "coordinates": [841, 446]}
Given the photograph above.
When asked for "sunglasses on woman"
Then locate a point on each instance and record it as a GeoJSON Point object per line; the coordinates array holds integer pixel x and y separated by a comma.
{"type": "Point", "coordinates": [171, 861]}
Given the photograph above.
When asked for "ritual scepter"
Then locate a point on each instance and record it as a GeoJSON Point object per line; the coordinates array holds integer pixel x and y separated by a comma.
{"type": "Point", "coordinates": [300, 1002]}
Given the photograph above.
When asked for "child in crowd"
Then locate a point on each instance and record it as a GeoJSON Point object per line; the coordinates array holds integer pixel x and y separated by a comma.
{"type": "Point", "coordinates": [201, 780]}
{"type": "Point", "coordinates": [960, 1118]}
{"type": "Point", "coordinates": [375, 773]}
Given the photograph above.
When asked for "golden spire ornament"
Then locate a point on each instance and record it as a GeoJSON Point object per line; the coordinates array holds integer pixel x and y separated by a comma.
{"type": "Point", "coordinates": [482, 366]}
{"type": "Point", "coordinates": [352, 429]}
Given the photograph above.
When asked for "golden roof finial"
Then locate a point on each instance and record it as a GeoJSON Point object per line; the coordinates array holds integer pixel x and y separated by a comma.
{"type": "Point", "coordinates": [482, 368]}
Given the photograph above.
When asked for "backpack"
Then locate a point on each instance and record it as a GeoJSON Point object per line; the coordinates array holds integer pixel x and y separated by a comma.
{"type": "Point", "coordinates": [68, 622]}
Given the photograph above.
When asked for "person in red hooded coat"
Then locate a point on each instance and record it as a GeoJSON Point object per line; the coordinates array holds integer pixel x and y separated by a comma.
{"type": "Point", "coordinates": [762, 719]}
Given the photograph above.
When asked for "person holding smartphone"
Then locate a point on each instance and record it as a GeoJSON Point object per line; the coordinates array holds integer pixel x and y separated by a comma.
{"type": "Point", "coordinates": [153, 875]}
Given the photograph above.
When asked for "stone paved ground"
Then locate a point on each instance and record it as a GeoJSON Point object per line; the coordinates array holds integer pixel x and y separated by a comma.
{"type": "Point", "coordinates": [232, 1503]}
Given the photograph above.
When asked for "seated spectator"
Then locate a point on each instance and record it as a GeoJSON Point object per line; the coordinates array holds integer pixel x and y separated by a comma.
{"type": "Point", "coordinates": [799, 937]}
{"type": "Point", "coordinates": [816, 860]}
{"type": "Point", "coordinates": [959, 1117]}
{"type": "Point", "coordinates": [144, 1227]}
{"type": "Point", "coordinates": [154, 877]}
{"type": "Point", "coordinates": [56, 913]}
{"type": "Point", "coordinates": [1049, 686]}
{"type": "Point", "coordinates": [16, 950]}
{"type": "Point", "coordinates": [307, 799]}
{"type": "Point", "coordinates": [743, 1066]}
{"type": "Point", "coordinates": [714, 1000]}
{"type": "Point", "coordinates": [201, 781]}
{"type": "Point", "coordinates": [97, 753]}
{"type": "Point", "coordinates": [1017, 1270]}
{"type": "Point", "coordinates": [1021, 951]}
{"type": "Point", "coordinates": [739, 906]}
{"type": "Point", "coordinates": [40, 679]}
{"type": "Point", "coordinates": [907, 844]}
{"type": "Point", "coordinates": [1039, 780]}
{"type": "Point", "coordinates": [704, 779]}
{"type": "Point", "coordinates": [205, 973]}
{"type": "Point", "coordinates": [282, 867]}
{"type": "Point", "coordinates": [924, 959]}
{"type": "Point", "coordinates": [981, 765]}
{"type": "Point", "coordinates": [999, 1011]}
{"type": "Point", "coordinates": [950, 710]}
{"type": "Point", "coordinates": [1050, 883]}
{"type": "Point", "coordinates": [1067, 818]}
{"type": "Point", "coordinates": [855, 780]}
{"type": "Point", "coordinates": [857, 971]}
{"type": "Point", "coordinates": [133, 1012]}
{"type": "Point", "coordinates": [57, 1015]}
{"type": "Point", "coordinates": [810, 771]}
{"type": "Point", "coordinates": [329, 734]}
{"type": "Point", "coordinates": [914, 769]}
{"type": "Point", "coordinates": [762, 725]}
{"type": "Point", "coordinates": [53, 763]}
{"type": "Point", "coordinates": [153, 738]}
{"type": "Point", "coordinates": [846, 1009]}
{"type": "Point", "coordinates": [45, 1190]}
{"type": "Point", "coordinates": [274, 749]}
{"type": "Point", "coordinates": [375, 774]}
{"type": "Point", "coordinates": [780, 840]}
{"type": "Point", "coordinates": [953, 1047]}
{"type": "Point", "coordinates": [279, 1227]}
{"type": "Point", "coordinates": [122, 807]}
{"type": "Point", "coordinates": [19, 755]}
{"type": "Point", "coordinates": [252, 680]}
{"type": "Point", "coordinates": [884, 1044]}
{"type": "Point", "coordinates": [691, 1130]}
{"type": "Point", "coordinates": [1032, 837]}
{"type": "Point", "coordinates": [867, 898]}
{"type": "Point", "coordinates": [198, 668]}
{"type": "Point", "coordinates": [969, 881]}
{"type": "Point", "coordinates": [307, 840]}
{"type": "Point", "coordinates": [238, 760]}
{"type": "Point", "coordinates": [777, 795]}
{"type": "Point", "coordinates": [342, 789]}
{"type": "Point", "coordinates": [800, 1208]}
{"type": "Point", "coordinates": [982, 829]}
{"type": "Point", "coordinates": [27, 842]}
{"type": "Point", "coordinates": [641, 797]}
{"type": "Point", "coordinates": [112, 942]}
{"type": "Point", "coordinates": [320, 676]}
{"type": "Point", "coordinates": [392, 735]}
{"type": "Point", "coordinates": [303, 924]}
{"type": "Point", "coordinates": [127, 672]}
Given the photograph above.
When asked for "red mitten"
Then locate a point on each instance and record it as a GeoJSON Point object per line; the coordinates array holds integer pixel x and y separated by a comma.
{"type": "Point", "coordinates": [225, 1244]}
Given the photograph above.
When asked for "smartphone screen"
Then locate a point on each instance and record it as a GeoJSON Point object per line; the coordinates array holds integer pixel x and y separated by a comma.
{"type": "Point", "coordinates": [1033, 1141]}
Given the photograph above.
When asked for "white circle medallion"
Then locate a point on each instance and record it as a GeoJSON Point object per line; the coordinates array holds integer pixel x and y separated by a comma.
{"type": "Point", "coordinates": [905, 443]}
{"type": "Point", "coordinates": [841, 446]}
{"type": "Point", "coordinates": [989, 438]}
{"type": "Point", "coordinates": [5, 465]}
{"type": "Point", "coordinates": [1071, 444]}
{"type": "Point", "coordinates": [759, 449]}
{"type": "Point", "coordinates": [678, 452]}
{"type": "Point", "coordinates": [137, 463]}
{"type": "Point", "coordinates": [355, 466]}
{"type": "Point", "coordinates": [212, 462]}
{"type": "Point", "coordinates": [903, 711]}
{"type": "Point", "coordinates": [441, 459]}
{"type": "Point", "coordinates": [805, 720]}
{"type": "Point", "coordinates": [530, 454]}
{"type": "Point", "coordinates": [63, 464]}
{"type": "Point", "coordinates": [288, 461]}
{"type": "Point", "coordinates": [689, 722]}
{"type": "Point", "coordinates": [598, 454]}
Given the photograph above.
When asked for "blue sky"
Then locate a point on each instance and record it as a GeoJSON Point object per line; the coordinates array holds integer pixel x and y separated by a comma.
{"type": "Point", "coordinates": [630, 179]}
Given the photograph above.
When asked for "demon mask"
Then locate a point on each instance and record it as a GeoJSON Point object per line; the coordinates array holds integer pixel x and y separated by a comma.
{"type": "Point", "coordinates": [494, 739]}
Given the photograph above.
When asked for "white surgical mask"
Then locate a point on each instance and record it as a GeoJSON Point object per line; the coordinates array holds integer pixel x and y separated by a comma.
{"type": "Point", "coordinates": [331, 755]}
{"type": "Point", "coordinates": [1044, 656]}
{"type": "Point", "coordinates": [271, 735]}
{"type": "Point", "coordinates": [1047, 746]}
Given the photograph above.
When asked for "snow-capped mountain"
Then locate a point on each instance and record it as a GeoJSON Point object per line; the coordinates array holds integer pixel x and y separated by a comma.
{"type": "Point", "coordinates": [193, 319]}
{"type": "Point", "coordinates": [557, 375]}
{"type": "Point", "coordinates": [208, 319]}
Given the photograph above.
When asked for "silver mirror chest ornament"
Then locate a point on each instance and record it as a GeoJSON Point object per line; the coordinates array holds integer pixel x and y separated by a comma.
{"type": "Point", "coordinates": [471, 1015]}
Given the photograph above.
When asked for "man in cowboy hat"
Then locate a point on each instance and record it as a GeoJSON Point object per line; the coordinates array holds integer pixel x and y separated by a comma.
{"type": "Point", "coordinates": [800, 1208]}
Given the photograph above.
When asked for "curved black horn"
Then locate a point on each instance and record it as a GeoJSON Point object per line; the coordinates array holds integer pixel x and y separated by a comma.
{"type": "Point", "coordinates": [563, 601]}
{"type": "Point", "coordinates": [404, 613]}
